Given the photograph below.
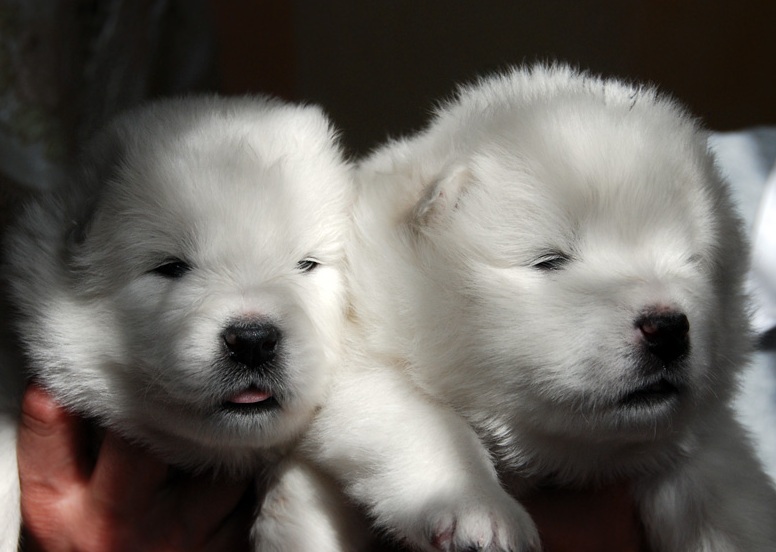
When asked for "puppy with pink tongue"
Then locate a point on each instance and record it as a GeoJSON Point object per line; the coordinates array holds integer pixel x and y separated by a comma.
{"type": "Point", "coordinates": [186, 289]}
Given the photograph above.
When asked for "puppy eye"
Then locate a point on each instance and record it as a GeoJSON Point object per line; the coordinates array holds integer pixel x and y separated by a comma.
{"type": "Point", "coordinates": [172, 268]}
{"type": "Point", "coordinates": [307, 265]}
{"type": "Point", "coordinates": [697, 258]}
{"type": "Point", "coordinates": [551, 261]}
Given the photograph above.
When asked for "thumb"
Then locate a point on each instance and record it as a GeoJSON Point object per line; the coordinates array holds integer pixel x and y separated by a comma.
{"type": "Point", "coordinates": [50, 445]}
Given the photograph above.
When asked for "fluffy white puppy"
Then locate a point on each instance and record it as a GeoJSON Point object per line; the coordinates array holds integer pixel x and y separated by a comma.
{"type": "Point", "coordinates": [187, 288]}
{"type": "Point", "coordinates": [557, 259]}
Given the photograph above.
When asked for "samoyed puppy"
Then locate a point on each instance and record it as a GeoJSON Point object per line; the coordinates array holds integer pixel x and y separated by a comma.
{"type": "Point", "coordinates": [187, 290]}
{"type": "Point", "coordinates": [557, 259]}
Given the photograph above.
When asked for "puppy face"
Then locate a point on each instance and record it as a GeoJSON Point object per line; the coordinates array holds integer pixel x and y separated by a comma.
{"type": "Point", "coordinates": [593, 261]}
{"type": "Point", "coordinates": [201, 299]}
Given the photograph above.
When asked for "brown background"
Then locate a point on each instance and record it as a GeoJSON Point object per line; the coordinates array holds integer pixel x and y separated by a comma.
{"type": "Point", "coordinates": [378, 65]}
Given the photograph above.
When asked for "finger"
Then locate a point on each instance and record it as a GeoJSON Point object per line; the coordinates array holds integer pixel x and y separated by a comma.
{"type": "Point", "coordinates": [205, 501]}
{"type": "Point", "coordinates": [233, 532]}
{"type": "Point", "coordinates": [126, 477]}
{"type": "Point", "coordinates": [51, 443]}
{"type": "Point", "coordinates": [586, 520]}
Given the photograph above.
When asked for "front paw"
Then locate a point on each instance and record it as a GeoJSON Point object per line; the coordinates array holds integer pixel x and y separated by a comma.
{"type": "Point", "coordinates": [475, 522]}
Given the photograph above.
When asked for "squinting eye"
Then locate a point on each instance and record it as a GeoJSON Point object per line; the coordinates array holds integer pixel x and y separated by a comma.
{"type": "Point", "coordinates": [172, 268]}
{"type": "Point", "coordinates": [307, 265]}
{"type": "Point", "coordinates": [551, 261]}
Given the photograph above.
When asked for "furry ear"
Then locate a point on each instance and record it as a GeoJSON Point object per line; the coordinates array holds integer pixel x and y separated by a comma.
{"type": "Point", "coordinates": [80, 210]}
{"type": "Point", "coordinates": [99, 164]}
{"type": "Point", "coordinates": [440, 197]}
{"type": "Point", "coordinates": [80, 215]}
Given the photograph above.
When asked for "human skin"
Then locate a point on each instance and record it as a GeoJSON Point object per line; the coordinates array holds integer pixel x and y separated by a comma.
{"type": "Point", "coordinates": [591, 520]}
{"type": "Point", "coordinates": [121, 500]}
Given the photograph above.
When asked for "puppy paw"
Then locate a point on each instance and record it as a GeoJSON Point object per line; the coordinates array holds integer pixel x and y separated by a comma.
{"type": "Point", "coordinates": [500, 525]}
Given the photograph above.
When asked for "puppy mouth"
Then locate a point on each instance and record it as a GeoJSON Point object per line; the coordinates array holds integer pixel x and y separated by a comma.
{"type": "Point", "coordinates": [252, 400]}
{"type": "Point", "coordinates": [652, 394]}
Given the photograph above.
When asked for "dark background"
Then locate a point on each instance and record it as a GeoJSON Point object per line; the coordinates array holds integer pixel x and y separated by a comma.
{"type": "Point", "coordinates": [376, 66]}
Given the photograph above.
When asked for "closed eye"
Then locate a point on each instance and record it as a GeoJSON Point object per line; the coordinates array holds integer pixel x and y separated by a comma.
{"type": "Point", "coordinates": [551, 261]}
{"type": "Point", "coordinates": [172, 269]}
{"type": "Point", "coordinates": [697, 258]}
{"type": "Point", "coordinates": [307, 265]}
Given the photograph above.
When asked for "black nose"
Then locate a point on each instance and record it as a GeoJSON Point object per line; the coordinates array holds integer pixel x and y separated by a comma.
{"type": "Point", "coordinates": [666, 334]}
{"type": "Point", "coordinates": [252, 344]}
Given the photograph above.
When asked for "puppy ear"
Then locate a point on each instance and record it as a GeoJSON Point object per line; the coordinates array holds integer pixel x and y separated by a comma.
{"type": "Point", "coordinates": [440, 197]}
{"type": "Point", "coordinates": [98, 164]}
{"type": "Point", "coordinates": [80, 224]}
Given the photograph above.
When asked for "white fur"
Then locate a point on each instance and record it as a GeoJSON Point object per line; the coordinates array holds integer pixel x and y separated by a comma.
{"type": "Point", "coordinates": [416, 466]}
{"type": "Point", "coordinates": [612, 187]}
{"type": "Point", "coordinates": [308, 513]}
{"type": "Point", "coordinates": [242, 190]}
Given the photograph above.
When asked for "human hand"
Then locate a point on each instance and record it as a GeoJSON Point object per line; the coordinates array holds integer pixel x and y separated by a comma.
{"type": "Point", "coordinates": [125, 500]}
{"type": "Point", "coordinates": [600, 520]}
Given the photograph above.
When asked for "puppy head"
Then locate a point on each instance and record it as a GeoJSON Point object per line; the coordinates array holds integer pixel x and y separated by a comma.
{"type": "Point", "coordinates": [196, 302]}
{"type": "Point", "coordinates": [587, 271]}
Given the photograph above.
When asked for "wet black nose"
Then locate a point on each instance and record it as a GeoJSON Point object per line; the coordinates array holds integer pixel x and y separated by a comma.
{"type": "Point", "coordinates": [666, 334]}
{"type": "Point", "coordinates": [252, 344]}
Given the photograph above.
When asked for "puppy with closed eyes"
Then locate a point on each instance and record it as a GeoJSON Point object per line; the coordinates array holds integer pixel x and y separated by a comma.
{"type": "Point", "coordinates": [557, 259]}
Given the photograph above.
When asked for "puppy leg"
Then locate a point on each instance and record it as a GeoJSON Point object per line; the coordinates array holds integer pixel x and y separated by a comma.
{"type": "Point", "coordinates": [10, 508]}
{"type": "Point", "coordinates": [718, 500]}
{"type": "Point", "coordinates": [418, 467]}
{"type": "Point", "coordinates": [305, 511]}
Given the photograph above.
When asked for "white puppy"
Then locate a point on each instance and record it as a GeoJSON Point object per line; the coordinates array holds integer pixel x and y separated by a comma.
{"type": "Point", "coordinates": [187, 290]}
{"type": "Point", "coordinates": [557, 259]}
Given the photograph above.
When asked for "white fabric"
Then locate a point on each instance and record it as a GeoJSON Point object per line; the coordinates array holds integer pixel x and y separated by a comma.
{"type": "Point", "coordinates": [748, 159]}
{"type": "Point", "coordinates": [763, 272]}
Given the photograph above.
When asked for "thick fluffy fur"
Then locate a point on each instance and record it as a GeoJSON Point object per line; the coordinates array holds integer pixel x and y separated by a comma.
{"type": "Point", "coordinates": [557, 259]}
{"type": "Point", "coordinates": [194, 226]}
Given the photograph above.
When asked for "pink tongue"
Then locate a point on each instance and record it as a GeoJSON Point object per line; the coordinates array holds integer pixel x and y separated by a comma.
{"type": "Point", "coordinates": [250, 396]}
